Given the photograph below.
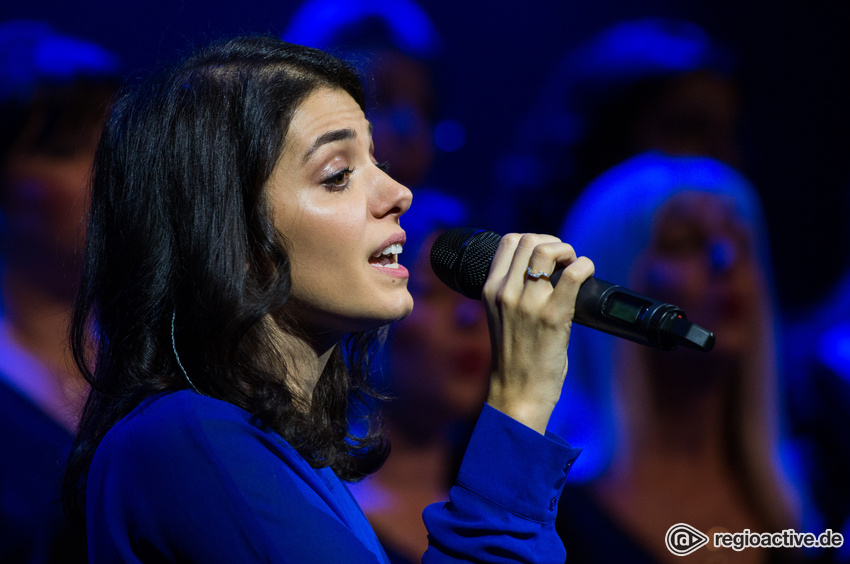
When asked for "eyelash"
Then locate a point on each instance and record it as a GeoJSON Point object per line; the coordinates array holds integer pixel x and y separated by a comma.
{"type": "Point", "coordinates": [339, 180]}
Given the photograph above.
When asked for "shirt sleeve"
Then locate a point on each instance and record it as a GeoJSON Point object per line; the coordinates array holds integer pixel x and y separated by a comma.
{"type": "Point", "coordinates": [503, 507]}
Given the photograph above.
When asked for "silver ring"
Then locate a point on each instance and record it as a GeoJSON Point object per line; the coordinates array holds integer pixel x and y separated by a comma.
{"type": "Point", "coordinates": [535, 275]}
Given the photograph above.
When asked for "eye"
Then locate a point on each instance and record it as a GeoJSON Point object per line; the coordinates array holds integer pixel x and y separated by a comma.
{"type": "Point", "coordinates": [679, 240]}
{"type": "Point", "coordinates": [384, 166]}
{"type": "Point", "coordinates": [339, 180]}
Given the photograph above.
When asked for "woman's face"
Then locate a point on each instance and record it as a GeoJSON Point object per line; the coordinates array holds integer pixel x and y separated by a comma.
{"type": "Point", "coordinates": [701, 258]}
{"type": "Point", "coordinates": [339, 212]}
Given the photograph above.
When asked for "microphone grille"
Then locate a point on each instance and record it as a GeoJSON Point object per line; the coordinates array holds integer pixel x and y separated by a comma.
{"type": "Point", "coordinates": [461, 258]}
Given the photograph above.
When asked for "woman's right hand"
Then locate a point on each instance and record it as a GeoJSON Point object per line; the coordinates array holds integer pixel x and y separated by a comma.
{"type": "Point", "coordinates": [530, 323]}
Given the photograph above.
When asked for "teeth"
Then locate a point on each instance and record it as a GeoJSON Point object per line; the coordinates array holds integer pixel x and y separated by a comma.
{"type": "Point", "coordinates": [392, 265]}
{"type": "Point", "coordinates": [394, 249]}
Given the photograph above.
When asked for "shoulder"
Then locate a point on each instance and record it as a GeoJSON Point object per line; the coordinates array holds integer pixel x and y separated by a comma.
{"type": "Point", "coordinates": [173, 417]}
{"type": "Point", "coordinates": [177, 431]}
{"type": "Point", "coordinates": [194, 476]}
{"type": "Point", "coordinates": [184, 449]}
{"type": "Point", "coordinates": [179, 408]}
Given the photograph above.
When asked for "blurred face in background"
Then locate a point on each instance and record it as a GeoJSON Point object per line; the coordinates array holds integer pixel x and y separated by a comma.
{"type": "Point", "coordinates": [440, 354]}
{"type": "Point", "coordinates": [403, 117]}
{"type": "Point", "coordinates": [44, 201]}
{"type": "Point", "coordinates": [696, 114]}
{"type": "Point", "coordinates": [701, 258]}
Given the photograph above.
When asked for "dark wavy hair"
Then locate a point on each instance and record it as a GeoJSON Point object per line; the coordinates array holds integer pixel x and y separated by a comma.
{"type": "Point", "coordinates": [182, 250]}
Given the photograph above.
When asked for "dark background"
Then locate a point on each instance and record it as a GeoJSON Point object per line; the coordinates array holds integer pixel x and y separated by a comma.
{"type": "Point", "coordinates": [793, 61]}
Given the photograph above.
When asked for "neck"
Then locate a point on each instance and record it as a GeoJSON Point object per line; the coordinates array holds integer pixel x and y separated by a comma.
{"type": "Point", "coordinates": [307, 358]}
{"type": "Point", "coordinates": [37, 321]}
{"type": "Point", "coordinates": [676, 462]}
{"type": "Point", "coordinates": [685, 423]}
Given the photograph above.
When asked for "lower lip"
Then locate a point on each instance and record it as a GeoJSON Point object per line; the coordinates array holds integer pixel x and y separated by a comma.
{"type": "Point", "coordinates": [400, 272]}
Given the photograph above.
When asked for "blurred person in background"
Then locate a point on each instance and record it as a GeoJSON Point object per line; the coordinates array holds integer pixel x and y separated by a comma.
{"type": "Point", "coordinates": [54, 94]}
{"type": "Point", "coordinates": [818, 398]}
{"type": "Point", "coordinates": [636, 85]}
{"type": "Point", "coordinates": [683, 436]}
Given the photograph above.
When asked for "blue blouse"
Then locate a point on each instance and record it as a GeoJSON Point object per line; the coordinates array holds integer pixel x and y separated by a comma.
{"type": "Point", "coordinates": [185, 477]}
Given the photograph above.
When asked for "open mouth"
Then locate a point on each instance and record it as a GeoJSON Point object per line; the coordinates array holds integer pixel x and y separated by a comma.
{"type": "Point", "coordinates": [387, 258]}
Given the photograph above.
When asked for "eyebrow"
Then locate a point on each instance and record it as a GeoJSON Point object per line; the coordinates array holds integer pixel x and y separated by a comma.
{"type": "Point", "coordinates": [331, 137]}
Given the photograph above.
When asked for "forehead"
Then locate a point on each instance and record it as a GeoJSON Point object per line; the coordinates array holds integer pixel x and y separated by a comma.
{"type": "Point", "coordinates": [324, 110]}
{"type": "Point", "coordinates": [704, 207]}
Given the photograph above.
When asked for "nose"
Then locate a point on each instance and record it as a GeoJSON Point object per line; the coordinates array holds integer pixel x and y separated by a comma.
{"type": "Point", "coordinates": [722, 256]}
{"type": "Point", "coordinates": [391, 198]}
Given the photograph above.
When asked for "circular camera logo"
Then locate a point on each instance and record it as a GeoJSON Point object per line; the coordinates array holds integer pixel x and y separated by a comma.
{"type": "Point", "coordinates": [682, 539]}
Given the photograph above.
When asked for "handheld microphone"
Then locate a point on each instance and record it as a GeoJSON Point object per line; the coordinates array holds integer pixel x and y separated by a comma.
{"type": "Point", "coordinates": [461, 258]}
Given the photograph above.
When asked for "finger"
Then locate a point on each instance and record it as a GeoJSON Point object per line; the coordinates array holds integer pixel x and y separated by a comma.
{"type": "Point", "coordinates": [501, 262]}
{"type": "Point", "coordinates": [509, 265]}
{"type": "Point", "coordinates": [531, 245]}
{"type": "Point", "coordinates": [546, 257]}
{"type": "Point", "coordinates": [572, 277]}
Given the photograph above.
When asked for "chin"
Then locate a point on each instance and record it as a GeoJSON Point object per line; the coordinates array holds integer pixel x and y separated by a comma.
{"type": "Point", "coordinates": [733, 342]}
{"type": "Point", "coordinates": [401, 312]}
{"type": "Point", "coordinates": [392, 313]}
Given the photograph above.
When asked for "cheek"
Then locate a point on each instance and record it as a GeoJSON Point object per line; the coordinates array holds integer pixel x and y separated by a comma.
{"type": "Point", "coordinates": [50, 196]}
{"type": "Point", "coordinates": [322, 243]}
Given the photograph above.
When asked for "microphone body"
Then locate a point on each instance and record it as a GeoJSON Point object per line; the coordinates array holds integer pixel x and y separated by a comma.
{"type": "Point", "coordinates": [461, 259]}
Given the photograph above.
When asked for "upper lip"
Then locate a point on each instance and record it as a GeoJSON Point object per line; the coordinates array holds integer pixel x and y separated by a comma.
{"type": "Point", "coordinates": [396, 238]}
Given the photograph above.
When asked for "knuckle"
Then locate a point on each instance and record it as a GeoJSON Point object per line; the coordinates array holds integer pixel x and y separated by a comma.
{"type": "Point", "coordinates": [528, 240]}
{"type": "Point", "coordinates": [488, 291]}
{"type": "Point", "coordinates": [505, 295]}
{"type": "Point", "coordinates": [526, 309]}
{"type": "Point", "coordinates": [547, 239]}
{"type": "Point", "coordinates": [580, 270]}
{"type": "Point", "coordinates": [573, 275]}
{"type": "Point", "coordinates": [551, 317]}
{"type": "Point", "coordinates": [560, 251]}
{"type": "Point", "coordinates": [541, 254]}
{"type": "Point", "coordinates": [511, 239]}
{"type": "Point", "coordinates": [587, 265]}
{"type": "Point", "coordinates": [531, 240]}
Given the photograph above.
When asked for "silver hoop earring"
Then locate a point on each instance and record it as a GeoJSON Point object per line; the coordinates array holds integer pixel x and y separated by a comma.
{"type": "Point", "coordinates": [177, 356]}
